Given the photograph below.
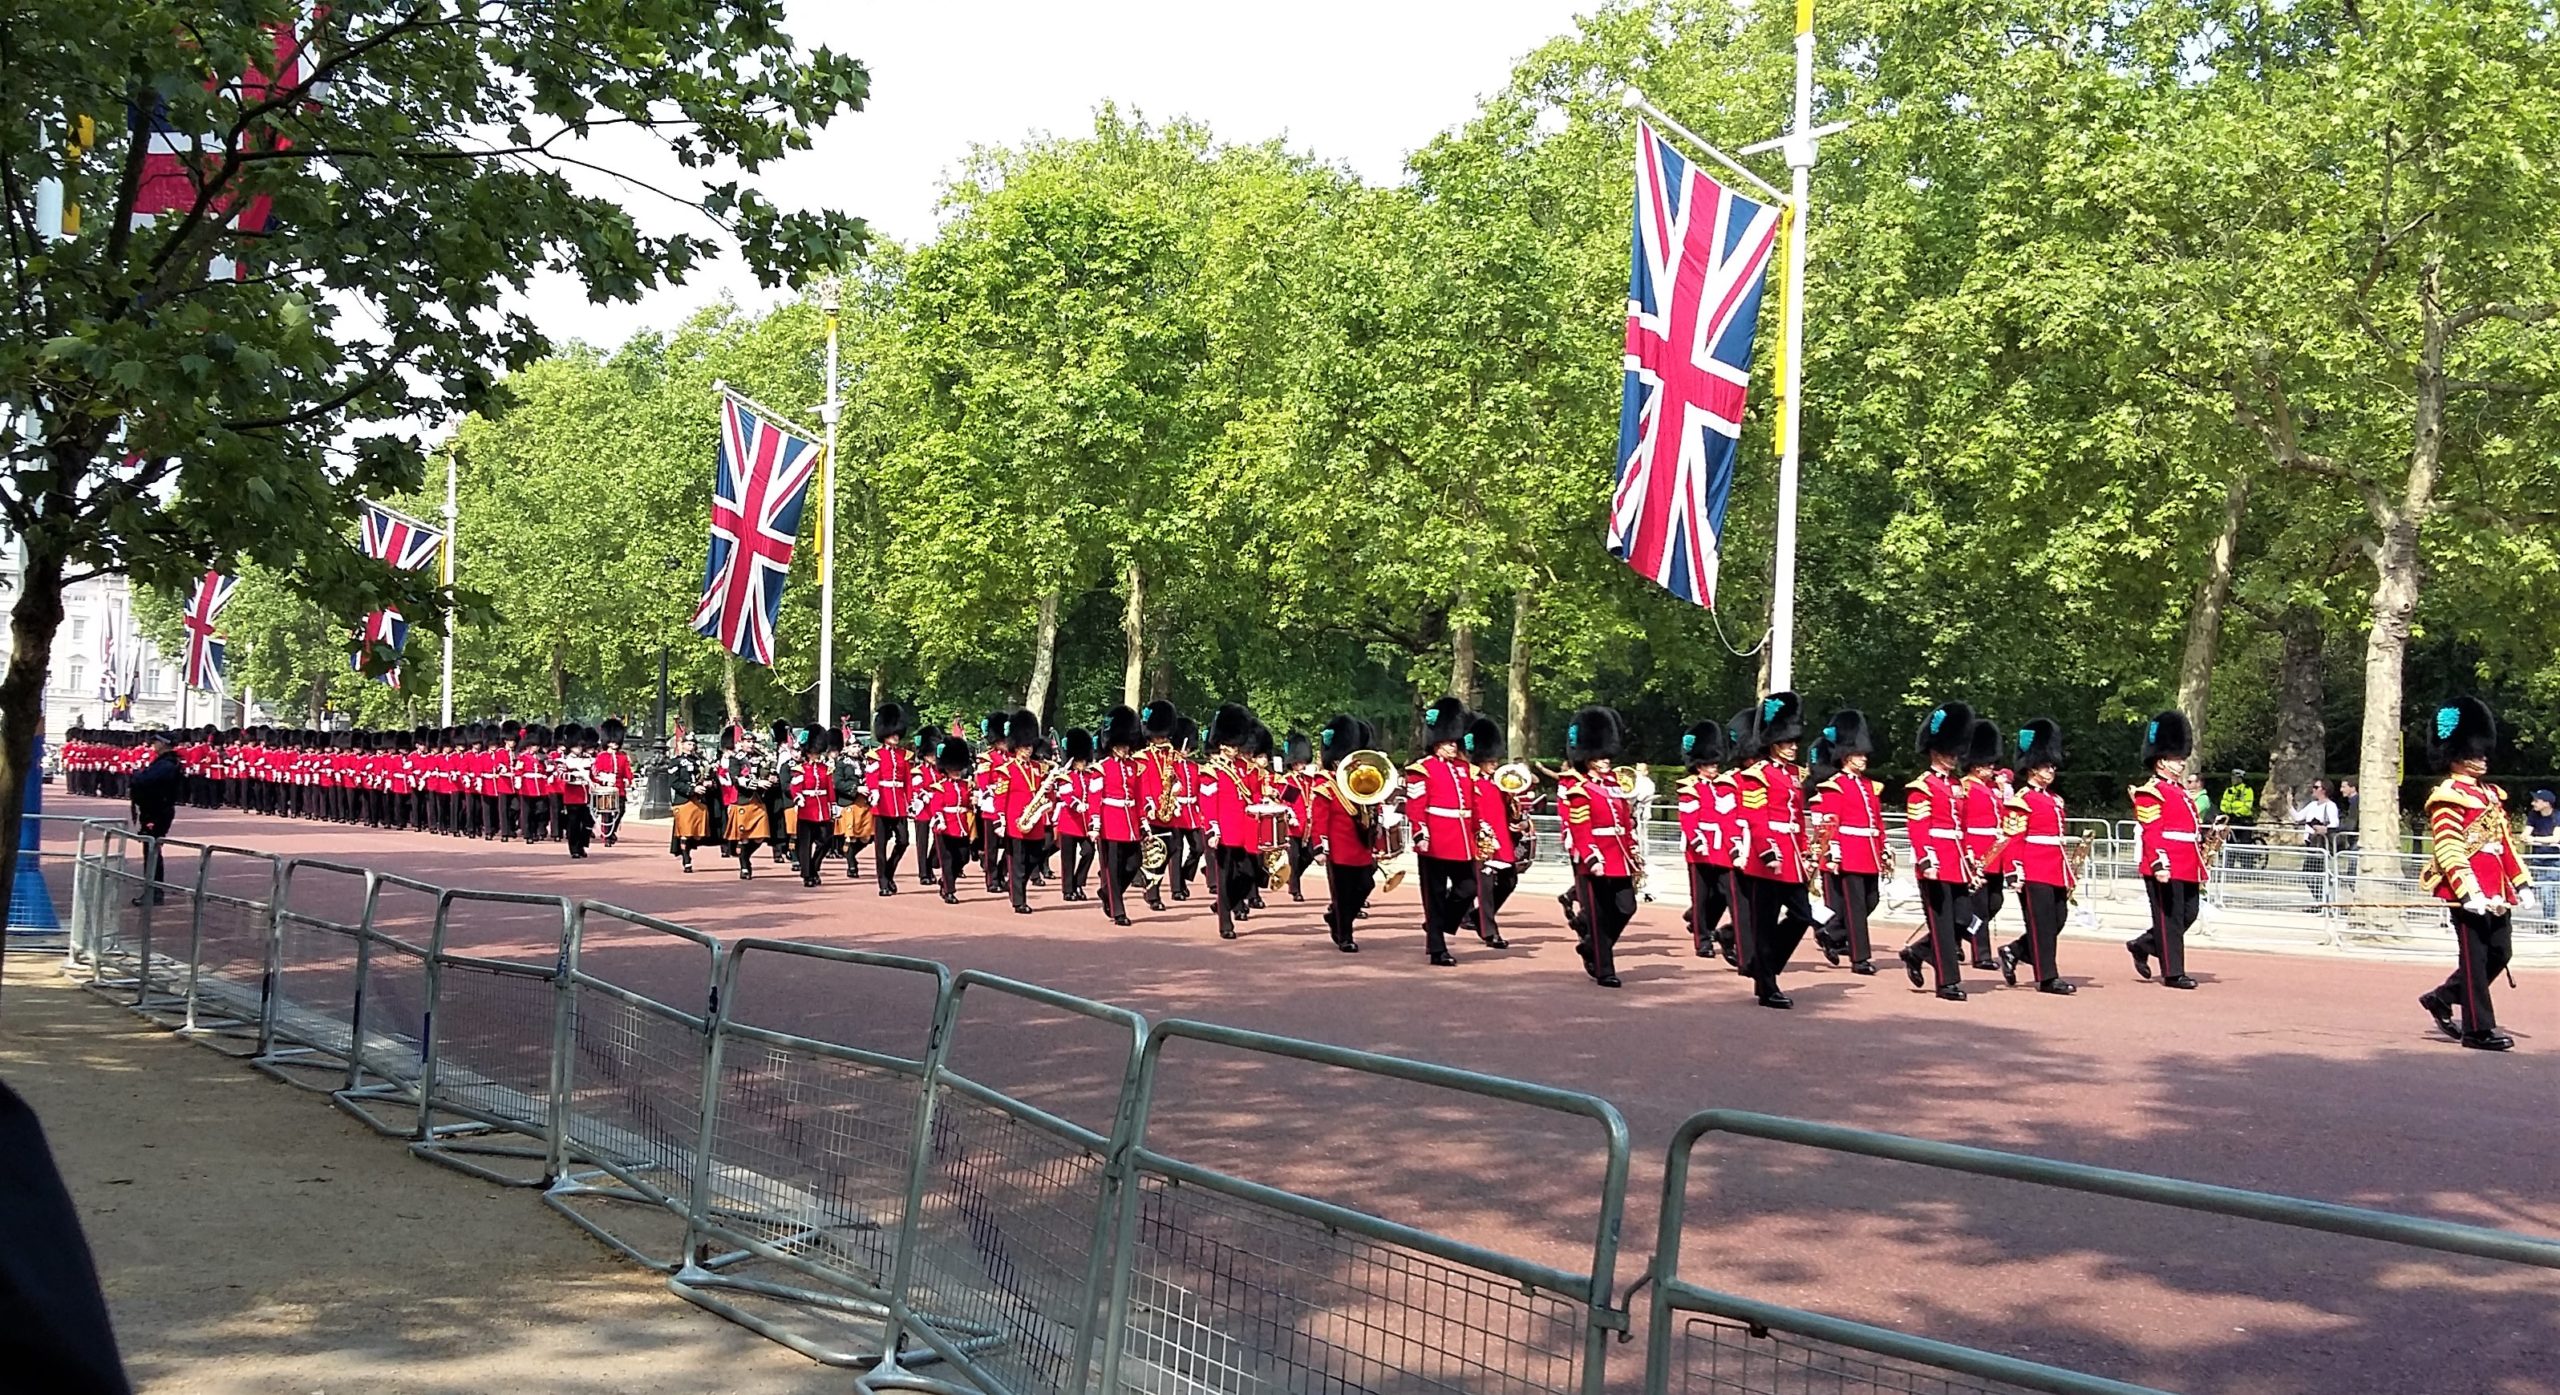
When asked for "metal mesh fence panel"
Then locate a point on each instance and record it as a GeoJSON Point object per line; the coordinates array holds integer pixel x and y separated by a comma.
{"type": "Point", "coordinates": [232, 940]}
{"type": "Point", "coordinates": [1227, 1297]}
{"type": "Point", "coordinates": [811, 1153]}
{"type": "Point", "coordinates": [492, 1042]}
{"type": "Point", "coordinates": [313, 1002]}
{"type": "Point", "coordinates": [1727, 1358]}
{"type": "Point", "coordinates": [40, 899]}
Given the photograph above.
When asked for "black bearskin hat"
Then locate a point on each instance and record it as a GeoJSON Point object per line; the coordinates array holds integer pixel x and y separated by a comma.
{"type": "Point", "coordinates": [1186, 734]}
{"type": "Point", "coordinates": [953, 756]}
{"type": "Point", "coordinates": [1483, 740]}
{"type": "Point", "coordinates": [991, 727]}
{"type": "Point", "coordinates": [1257, 742]}
{"type": "Point", "coordinates": [1158, 718]}
{"type": "Point", "coordinates": [729, 737]}
{"type": "Point", "coordinates": [533, 736]}
{"type": "Point", "coordinates": [1079, 744]}
{"type": "Point", "coordinates": [1021, 729]}
{"type": "Point", "coordinates": [1120, 729]}
{"type": "Point", "coordinates": [889, 719]}
{"type": "Point", "coordinates": [1702, 744]}
{"type": "Point", "coordinates": [1982, 745]}
{"type": "Point", "coordinates": [781, 735]}
{"type": "Point", "coordinates": [1781, 719]}
{"type": "Point", "coordinates": [2460, 728]}
{"type": "Point", "coordinates": [613, 730]}
{"type": "Point", "coordinates": [1946, 729]}
{"type": "Point", "coordinates": [1229, 725]}
{"type": "Point", "coordinates": [928, 739]}
{"type": "Point", "coordinates": [1593, 734]}
{"type": "Point", "coordinates": [1743, 736]}
{"type": "Point", "coordinates": [1445, 720]}
{"type": "Point", "coordinates": [2168, 737]}
{"type": "Point", "coordinates": [2039, 743]}
{"type": "Point", "coordinates": [511, 728]}
{"type": "Point", "coordinates": [1339, 737]}
{"type": "Point", "coordinates": [1297, 749]}
{"type": "Point", "coordinates": [1846, 735]}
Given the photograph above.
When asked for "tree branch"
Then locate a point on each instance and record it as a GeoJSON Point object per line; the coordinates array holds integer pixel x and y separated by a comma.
{"type": "Point", "coordinates": [2461, 320]}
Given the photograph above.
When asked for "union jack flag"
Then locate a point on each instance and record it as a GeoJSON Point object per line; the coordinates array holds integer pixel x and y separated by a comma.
{"type": "Point", "coordinates": [763, 481]}
{"type": "Point", "coordinates": [173, 160]}
{"type": "Point", "coordinates": [1693, 303]}
{"type": "Point", "coordinates": [204, 651]}
{"type": "Point", "coordinates": [407, 545]}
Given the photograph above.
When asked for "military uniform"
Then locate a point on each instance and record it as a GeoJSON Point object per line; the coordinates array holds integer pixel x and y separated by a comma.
{"type": "Point", "coordinates": [2032, 848]}
{"type": "Point", "coordinates": [1771, 912]}
{"type": "Point", "coordinates": [2473, 867]}
{"type": "Point", "coordinates": [1599, 841]}
{"type": "Point", "coordinates": [2171, 852]}
{"type": "Point", "coordinates": [1439, 802]}
{"type": "Point", "coordinates": [1933, 820]}
{"type": "Point", "coordinates": [1850, 812]}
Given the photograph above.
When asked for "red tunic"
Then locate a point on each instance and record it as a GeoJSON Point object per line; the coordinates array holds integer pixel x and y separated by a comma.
{"type": "Point", "coordinates": [1120, 814]}
{"type": "Point", "coordinates": [813, 793]}
{"type": "Point", "coordinates": [2031, 840]}
{"type": "Point", "coordinates": [1701, 825]}
{"type": "Point", "coordinates": [1023, 779]}
{"type": "Point", "coordinates": [1493, 814]}
{"type": "Point", "coordinates": [1980, 809]}
{"type": "Point", "coordinates": [1937, 835]}
{"type": "Point", "coordinates": [1857, 822]}
{"type": "Point", "coordinates": [2165, 816]}
{"type": "Point", "coordinates": [1599, 826]}
{"type": "Point", "coordinates": [895, 782]}
{"type": "Point", "coordinates": [1772, 808]}
{"type": "Point", "coordinates": [1439, 799]}
{"type": "Point", "coordinates": [1229, 787]}
{"type": "Point", "coordinates": [2465, 859]}
{"type": "Point", "coordinates": [1075, 802]}
{"type": "Point", "coordinates": [1338, 829]}
{"type": "Point", "coordinates": [945, 807]}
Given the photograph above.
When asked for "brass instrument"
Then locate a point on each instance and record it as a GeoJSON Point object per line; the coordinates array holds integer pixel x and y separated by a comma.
{"type": "Point", "coordinates": [1365, 779]}
{"type": "Point", "coordinates": [2210, 845]}
{"type": "Point", "coordinates": [2077, 858]}
{"type": "Point", "coordinates": [1623, 779]}
{"type": "Point", "coordinates": [1168, 805]}
{"type": "Point", "coordinates": [1044, 799]}
{"type": "Point", "coordinates": [1820, 831]}
{"type": "Point", "coordinates": [1515, 779]}
{"type": "Point", "coordinates": [1153, 854]}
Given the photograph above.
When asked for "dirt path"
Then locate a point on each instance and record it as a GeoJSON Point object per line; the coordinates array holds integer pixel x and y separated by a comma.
{"type": "Point", "coordinates": [254, 1239]}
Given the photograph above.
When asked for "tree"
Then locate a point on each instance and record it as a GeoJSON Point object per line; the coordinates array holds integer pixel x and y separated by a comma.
{"type": "Point", "coordinates": [407, 176]}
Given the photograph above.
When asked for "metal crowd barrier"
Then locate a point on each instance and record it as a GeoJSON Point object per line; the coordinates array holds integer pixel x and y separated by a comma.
{"type": "Point", "coordinates": [1225, 1284]}
{"type": "Point", "coordinates": [1721, 1343]}
{"type": "Point", "coordinates": [41, 902]}
{"type": "Point", "coordinates": [827, 1168]}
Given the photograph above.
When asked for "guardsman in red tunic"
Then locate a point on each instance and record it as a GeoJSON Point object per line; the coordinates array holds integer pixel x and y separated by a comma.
{"type": "Point", "coordinates": [1234, 834]}
{"type": "Point", "coordinates": [1853, 849]}
{"type": "Point", "coordinates": [1599, 840]}
{"type": "Point", "coordinates": [1934, 819]}
{"type": "Point", "coordinates": [896, 779]}
{"type": "Point", "coordinates": [1190, 844]}
{"type": "Point", "coordinates": [949, 803]}
{"type": "Point", "coordinates": [1771, 912]}
{"type": "Point", "coordinates": [1018, 783]}
{"type": "Point", "coordinates": [2473, 867]}
{"type": "Point", "coordinates": [1984, 799]}
{"type": "Point", "coordinates": [1702, 834]}
{"type": "Point", "coordinates": [2171, 849]}
{"type": "Point", "coordinates": [1073, 822]}
{"type": "Point", "coordinates": [813, 800]}
{"type": "Point", "coordinates": [1297, 790]}
{"type": "Point", "coordinates": [988, 787]}
{"type": "Point", "coordinates": [617, 781]}
{"type": "Point", "coordinates": [1119, 809]}
{"type": "Point", "coordinates": [2031, 849]}
{"type": "Point", "coordinates": [1497, 816]}
{"type": "Point", "coordinates": [1439, 802]}
{"type": "Point", "coordinates": [1347, 832]}
{"type": "Point", "coordinates": [1160, 794]}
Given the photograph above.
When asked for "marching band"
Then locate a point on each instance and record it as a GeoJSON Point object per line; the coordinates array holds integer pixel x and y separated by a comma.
{"type": "Point", "coordinates": [1778, 836]}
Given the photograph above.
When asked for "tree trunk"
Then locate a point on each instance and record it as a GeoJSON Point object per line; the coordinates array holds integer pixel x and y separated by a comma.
{"type": "Point", "coordinates": [877, 678]}
{"type": "Point", "coordinates": [33, 620]}
{"type": "Point", "coordinates": [1521, 730]}
{"type": "Point", "coordinates": [1159, 669]}
{"type": "Point", "coordinates": [729, 689]}
{"type": "Point", "coordinates": [316, 710]}
{"type": "Point", "coordinates": [2302, 737]}
{"type": "Point", "coordinates": [2204, 622]}
{"type": "Point", "coordinates": [1133, 638]}
{"type": "Point", "coordinates": [1044, 657]}
{"type": "Point", "coordinates": [2395, 585]}
{"type": "Point", "coordinates": [1464, 682]}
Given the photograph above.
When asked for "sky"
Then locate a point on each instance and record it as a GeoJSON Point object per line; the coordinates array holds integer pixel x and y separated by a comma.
{"type": "Point", "coordinates": [1358, 83]}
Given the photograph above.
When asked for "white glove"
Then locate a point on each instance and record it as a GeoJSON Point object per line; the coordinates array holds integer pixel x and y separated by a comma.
{"type": "Point", "coordinates": [1929, 865]}
{"type": "Point", "coordinates": [1390, 819]}
{"type": "Point", "coordinates": [986, 804]}
{"type": "Point", "coordinates": [2477, 904]}
{"type": "Point", "coordinates": [2526, 901]}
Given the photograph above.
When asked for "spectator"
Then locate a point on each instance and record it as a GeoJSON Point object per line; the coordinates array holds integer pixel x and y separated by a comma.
{"type": "Point", "coordinates": [2240, 806]}
{"type": "Point", "coordinates": [154, 791]}
{"type": "Point", "coordinates": [56, 1336]}
{"type": "Point", "coordinates": [2318, 816]}
{"type": "Point", "coordinates": [2346, 804]}
{"type": "Point", "coordinates": [2542, 855]}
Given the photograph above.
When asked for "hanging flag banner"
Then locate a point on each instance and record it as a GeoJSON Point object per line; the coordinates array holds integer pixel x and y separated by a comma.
{"type": "Point", "coordinates": [407, 545]}
{"type": "Point", "coordinates": [1700, 262]}
{"type": "Point", "coordinates": [757, 493]}
{"type": "Point", "coordinates": [204, 650]}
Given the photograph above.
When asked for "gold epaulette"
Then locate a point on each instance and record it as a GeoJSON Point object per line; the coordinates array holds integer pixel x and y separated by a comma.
{"type": "Point", "coordinates": [2451, 792]}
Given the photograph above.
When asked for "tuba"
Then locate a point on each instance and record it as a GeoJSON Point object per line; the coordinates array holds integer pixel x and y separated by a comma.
{"type": "Point", "coordinates": [1515, 779]}
{"type": "Point", "coordinates": [1365, 779]}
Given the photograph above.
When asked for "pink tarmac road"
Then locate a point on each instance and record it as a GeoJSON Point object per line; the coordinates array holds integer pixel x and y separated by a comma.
{"type": "Point", "coordinates": [2286, 1073]}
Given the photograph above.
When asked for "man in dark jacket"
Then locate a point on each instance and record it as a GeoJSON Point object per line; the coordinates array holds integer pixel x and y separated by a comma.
{"type": "Point", "coordinates": [54, 1333]}
{"type": "Point", "coordinates": [154, 790]}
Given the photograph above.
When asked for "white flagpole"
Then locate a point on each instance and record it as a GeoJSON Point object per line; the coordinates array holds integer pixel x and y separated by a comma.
{"type": "Point", "coordinates": [830, 300]}
{"type": "Point", "coordinates": [1800, 151]}
{"type": "Point", "coordinates": [452, 531]}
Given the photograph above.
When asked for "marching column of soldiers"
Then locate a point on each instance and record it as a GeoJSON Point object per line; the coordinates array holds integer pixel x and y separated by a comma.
{"type": "Point", "coordinates": [1780, 836]}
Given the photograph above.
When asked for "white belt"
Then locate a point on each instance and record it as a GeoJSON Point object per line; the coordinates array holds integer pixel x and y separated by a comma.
{"type": "Point", "coordinates": [1982, 833]}
{"type": "Point", "coordinates": [1118, 803]}
{"type": "Point", "coordinates": [891, 784]}
{"type": "Point", "coordinates": [1440, 813]}
{"type": "Point", "coordinates": [2177, 837]}
{"type": "Point", "coordinates": [1942, 833]}
{"type": "Point", "coordinates": [1613, 828]}
{"type": "Point", "coordinates": [2045, 840]}
{"type": "Point", "coordinates": [1846, 832]}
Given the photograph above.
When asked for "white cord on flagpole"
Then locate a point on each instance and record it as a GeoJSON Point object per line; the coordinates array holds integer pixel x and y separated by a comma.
{"type": "Point", "coordinates": [830, 300]}
{"type": "Point", "coordinates": [1634, 100]}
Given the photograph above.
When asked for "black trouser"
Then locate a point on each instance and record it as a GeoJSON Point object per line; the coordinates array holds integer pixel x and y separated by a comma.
{"type": "Point", "coordinates": [1608, 903]}
{"type": "Point", "coordinates": [1777, 913]}
{"type": "Point", "coordinates": [2483, 943]}
{"type": "Point", "coordinates": [1987, 899]}
{"type": "Point", "coordinates": [1231, 873]}
{"type": "Point", "coordinates": [888, 845]}
{"type": "Point", "coordinates": [1349, 886]}
{"type": "Point", "coordinates": [991, 835]}
{"type": "Point", "coordinates": [2173, 909]}
{"type": "Point", "coordinates": [2044, 909]}
{"type": "Point", "coordinates": [153, 830]}
{"type": "Point", "coordinates": [924, 853]}
{"type": "Point", "coordinates": [1448, 896]}
{"type": "Point", "coordinates": [809, 848]}
{"type": "Point", "coordinates": [777, 840]}
{"type": "Point", "coordinates": [1182, 850]}
{"type": "Point", "coordinates": [951, 852]}
{"type": "Point", "coordinates": [577, 827]}
{"type": "Point", "coordinates": [1018, 856]}
{"type": "Point", "coordinates": [1119, 868]}
{"type": "Point", "coordinates": [492, 816]}
{"type": "Point", "coordinates": [1852, 897]}
{"type": "Point", "coordinates": [537, 817]}
{"type": "Point", "coordinates": [1302, 854]}
{"type": "Point", "coordinates": [1943, 908]}
{"type": "Point", "coordinates": [1494, 886]}
{"type": "Point", "coordinates": [1076, 857]}
{"type": "Point", "coordinates": [1707, 904]}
